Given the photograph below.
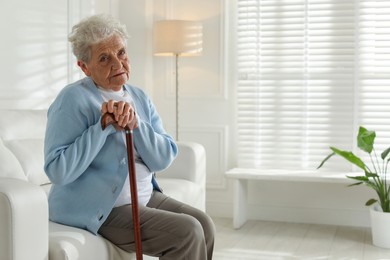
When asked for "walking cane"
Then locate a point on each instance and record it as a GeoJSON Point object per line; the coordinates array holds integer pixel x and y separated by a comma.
{"type": "Point", "coordinates": [109, 119]}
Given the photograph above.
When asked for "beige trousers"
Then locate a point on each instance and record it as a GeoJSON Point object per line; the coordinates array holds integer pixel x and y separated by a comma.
{"type": "Point", "coordinates": [170, 230]}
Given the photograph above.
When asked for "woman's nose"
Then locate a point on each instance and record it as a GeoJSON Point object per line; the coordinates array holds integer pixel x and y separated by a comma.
{"type": "Point", "coordinates": [116, 63]}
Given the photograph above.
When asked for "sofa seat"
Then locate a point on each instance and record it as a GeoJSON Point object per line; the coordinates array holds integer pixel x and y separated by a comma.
{"type": "Point", "coordinates": [72, 243]}
{"type": "Point", "coordinates": [24, 225]}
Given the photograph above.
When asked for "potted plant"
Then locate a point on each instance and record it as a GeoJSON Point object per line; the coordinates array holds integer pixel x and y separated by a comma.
{"type": "Point", "coordinates": [374, 177]}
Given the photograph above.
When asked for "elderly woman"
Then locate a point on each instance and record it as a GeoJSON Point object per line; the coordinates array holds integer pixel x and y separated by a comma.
{"type": "Point", "coordinates": [87, 165]}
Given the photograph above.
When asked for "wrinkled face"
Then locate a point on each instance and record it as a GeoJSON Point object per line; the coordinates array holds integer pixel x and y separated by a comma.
{"type": "Point", "coordinates": [109, 65]}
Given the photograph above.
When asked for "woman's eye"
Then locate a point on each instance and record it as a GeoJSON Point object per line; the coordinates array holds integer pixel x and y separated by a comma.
{"type": "Point", "coordinates": [103, 59]}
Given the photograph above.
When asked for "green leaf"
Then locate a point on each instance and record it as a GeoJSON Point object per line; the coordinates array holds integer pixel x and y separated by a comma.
{"type": "Point", "coordinates": [355, 184]}
{"type": "Point", "coordinates": [385, 153]}
{"type": "Point", "coordinates": [365, 139]}
{"type": "Point", "coordinates": [370, 202]}
{"type": "Point", "coordinates": [350, 157]}
{"type": "Point", "coordinates": [372, 175]}
{"type": "Point", "coordinates": [327, 158]}
{"type": "Point", "coordinates": [359, 178]}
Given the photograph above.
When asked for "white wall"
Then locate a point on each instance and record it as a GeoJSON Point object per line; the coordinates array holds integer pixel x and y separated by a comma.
{"type": "Point", "coordinates": [36, 64]}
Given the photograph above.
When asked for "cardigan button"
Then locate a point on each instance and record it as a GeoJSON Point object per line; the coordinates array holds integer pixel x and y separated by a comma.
{"type": "Point", "coordinates": [114, 188]}
{"type": "Point", "coordinates": [123, 161]}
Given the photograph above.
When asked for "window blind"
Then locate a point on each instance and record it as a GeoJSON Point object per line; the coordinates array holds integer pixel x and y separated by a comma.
{"type": "Point", "coordinates": [309, 73]}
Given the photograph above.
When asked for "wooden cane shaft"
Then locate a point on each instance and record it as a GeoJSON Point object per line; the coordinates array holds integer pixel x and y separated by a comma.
{"type": "Point", "coordinates": [134, 195]}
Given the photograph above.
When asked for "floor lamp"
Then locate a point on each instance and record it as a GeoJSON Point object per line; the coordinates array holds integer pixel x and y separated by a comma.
{"type": "Point", "coordinates": [177, 38]}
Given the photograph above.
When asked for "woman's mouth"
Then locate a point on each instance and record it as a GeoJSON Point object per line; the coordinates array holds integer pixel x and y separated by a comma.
{"type": "Point", "coordinates": [118, 74]}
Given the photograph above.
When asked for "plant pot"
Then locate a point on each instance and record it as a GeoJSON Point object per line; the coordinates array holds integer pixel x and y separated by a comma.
{"type": "Point", "coordinates": [380, 226]}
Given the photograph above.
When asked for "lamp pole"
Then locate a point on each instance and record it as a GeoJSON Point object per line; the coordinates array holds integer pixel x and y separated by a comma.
{"type": "Point", "coordinates": [177, 96]}
{"type": "Point", "coordinates": [177, 38]}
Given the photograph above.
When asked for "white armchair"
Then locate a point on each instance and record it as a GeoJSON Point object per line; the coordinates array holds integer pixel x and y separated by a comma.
{"type": "Point", "coordinates": [25, 231]}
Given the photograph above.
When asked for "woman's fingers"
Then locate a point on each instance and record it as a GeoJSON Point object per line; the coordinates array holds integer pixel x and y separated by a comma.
{"type": "Point", "coordinates": [111, 104]}
{"type": "Point", "coordinates": [123, 112]}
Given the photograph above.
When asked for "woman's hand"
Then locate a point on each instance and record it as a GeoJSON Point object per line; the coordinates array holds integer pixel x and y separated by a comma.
{"type": "Point", "coordinates": [124, 113]}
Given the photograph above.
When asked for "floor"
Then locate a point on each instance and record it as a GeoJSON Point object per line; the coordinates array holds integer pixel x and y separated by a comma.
{"type": "Point", "coordinates": [265, 240]}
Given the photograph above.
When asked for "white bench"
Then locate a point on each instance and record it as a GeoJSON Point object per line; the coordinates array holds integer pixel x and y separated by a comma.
{"type": "Point", "coordinates": [241, 176]}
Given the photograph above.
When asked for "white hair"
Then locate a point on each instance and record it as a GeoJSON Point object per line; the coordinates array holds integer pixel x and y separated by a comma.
{"type": "Point", "coordinates": [93, 30]}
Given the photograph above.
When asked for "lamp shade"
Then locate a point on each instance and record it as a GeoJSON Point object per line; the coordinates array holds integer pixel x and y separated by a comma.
{"type": "Point", "coordinates": [177, 37]}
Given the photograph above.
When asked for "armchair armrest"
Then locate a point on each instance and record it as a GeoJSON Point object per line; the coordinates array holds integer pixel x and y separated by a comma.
{"type": "Point", "coordinates": [190, 164]}
{"type": "Point", "coordinates": [185, 178]}
{"type": "Point", "coordinates": [23, 220]}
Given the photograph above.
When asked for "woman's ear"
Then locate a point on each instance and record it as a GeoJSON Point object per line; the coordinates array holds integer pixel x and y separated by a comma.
{"type": "Point", "coordinates": [83, 67]}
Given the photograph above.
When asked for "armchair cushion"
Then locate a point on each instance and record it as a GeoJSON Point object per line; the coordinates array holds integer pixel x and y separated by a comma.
{"type": "Point", "coordinates": [29, 153]}
{"type": "Point", "coordinates": [10, 166]}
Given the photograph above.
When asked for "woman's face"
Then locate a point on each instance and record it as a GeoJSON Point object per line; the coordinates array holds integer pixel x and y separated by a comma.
{"type": "Point", "coordinates": [109, 65]}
